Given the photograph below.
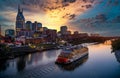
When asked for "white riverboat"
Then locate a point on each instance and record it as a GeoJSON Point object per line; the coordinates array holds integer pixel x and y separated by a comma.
{"type": "Point", "coordinates": [71, 54]}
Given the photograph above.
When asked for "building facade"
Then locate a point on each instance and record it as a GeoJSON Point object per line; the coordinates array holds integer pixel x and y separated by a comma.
{"type": "Point", "coordinates": [20, 21]}
{"type": "Point", "coordinates": [51, 35]}
{"type": "Point", "coordinates": [63, 30]}
{"type": "Point", "coordinates": [28, 25]}
{"type": "Point", "coordinates": [39, 26]}
{"type": "Point", "coordinates": [36, 26]}
{"type": "Point", "coordinates": [10, 32]}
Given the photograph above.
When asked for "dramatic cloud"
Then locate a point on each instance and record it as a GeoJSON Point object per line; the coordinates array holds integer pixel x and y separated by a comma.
{"type": "Point", "coordinates": [103, 18]}
{"type": "Point", "coordinates": [52, 13]}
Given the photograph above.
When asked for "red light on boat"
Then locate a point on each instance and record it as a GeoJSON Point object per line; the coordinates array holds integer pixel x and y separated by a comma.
{"type": "Point", "coordinates": [62, 60]}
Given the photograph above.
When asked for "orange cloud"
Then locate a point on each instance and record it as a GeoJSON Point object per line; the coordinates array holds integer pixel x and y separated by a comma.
{"type": "Point", "coordinates": [55, 13]}
{"type": "Point", "coordinates": [52, 13]}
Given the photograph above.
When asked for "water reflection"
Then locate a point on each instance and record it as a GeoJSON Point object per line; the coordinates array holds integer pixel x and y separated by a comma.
{"type": "Point", "coordinates": [3, 65]}
{"type": "Point", "coordinates": [117, 55]}
{"type": "Point", "coordinates": [101, 64]}
{"type": "Point", "coordinates": [108, 42]}
{"type": "Point", "coordinates": [74, 65]}
{"type": "Point", "coordinates": [21, 63]}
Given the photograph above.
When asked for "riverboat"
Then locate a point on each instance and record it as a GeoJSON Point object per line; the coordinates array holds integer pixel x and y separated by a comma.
{"type": "Point", "coordinates": [71, 54]}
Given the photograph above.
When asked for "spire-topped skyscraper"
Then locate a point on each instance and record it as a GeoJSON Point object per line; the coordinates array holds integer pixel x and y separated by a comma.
{"type": "Point", "coordinates": [19, 9]}
{"type": "Point", "coordinates": [20, 20]}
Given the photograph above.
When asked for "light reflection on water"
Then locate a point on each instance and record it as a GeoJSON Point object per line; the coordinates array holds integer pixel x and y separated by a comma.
{"type": "Point", "coordinates": [100, 63]}
{"type": "Point", "coordinates": [74, 65]}
{"type": "Point", "coordinates": [30, 61]}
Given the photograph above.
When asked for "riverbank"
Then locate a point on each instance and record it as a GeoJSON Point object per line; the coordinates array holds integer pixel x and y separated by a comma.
{"type": "Point", "coordinates": [38, 64]}
{"type": "Point", "coordinates": [13, 52]}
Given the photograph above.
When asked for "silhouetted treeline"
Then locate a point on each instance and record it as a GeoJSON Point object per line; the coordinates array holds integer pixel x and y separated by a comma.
{"type": "Point", "coordinates": [116, 45]}
{"type": "Point", "coordinates": [87, 40]}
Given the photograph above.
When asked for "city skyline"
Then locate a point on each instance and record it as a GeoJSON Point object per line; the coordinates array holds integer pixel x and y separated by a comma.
{"type": "Point", "coordinates": [56, 13]}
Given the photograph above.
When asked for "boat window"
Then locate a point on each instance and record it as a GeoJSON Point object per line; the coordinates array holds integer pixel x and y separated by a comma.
{"type": "Point", "coordinates": [67, 50]}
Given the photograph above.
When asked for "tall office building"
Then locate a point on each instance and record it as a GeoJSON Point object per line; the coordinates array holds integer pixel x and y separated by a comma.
{"type": "Point", "coordinates": [36, 26]}
{"type": "Point", "coordinates": [20, 21]}
{"type": "Point", "coordinates": [63, 30]}
{"type": "Point", "coordinates": [28, 25]}
{"type": "Point", "coordinates": [39, 26]}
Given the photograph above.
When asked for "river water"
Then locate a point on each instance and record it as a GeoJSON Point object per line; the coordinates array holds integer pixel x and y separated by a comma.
{"type": "Point", "coordinates": [100, 63]}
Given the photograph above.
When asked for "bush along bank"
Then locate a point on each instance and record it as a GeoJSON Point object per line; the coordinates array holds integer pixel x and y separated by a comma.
{"type": "Point", "coordinates": [116, 45]}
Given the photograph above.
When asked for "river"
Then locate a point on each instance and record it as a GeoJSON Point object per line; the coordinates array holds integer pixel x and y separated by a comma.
{"type": "Point", "coordinates": [100, 63]}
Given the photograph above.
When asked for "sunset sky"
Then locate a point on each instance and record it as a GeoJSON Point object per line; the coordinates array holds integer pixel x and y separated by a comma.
{"type": "Point", "coordinates": [80, 15]}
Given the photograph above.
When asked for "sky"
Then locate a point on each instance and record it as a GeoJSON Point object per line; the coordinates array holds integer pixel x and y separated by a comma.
{"type": "Point", "coordinates": [91, 16]}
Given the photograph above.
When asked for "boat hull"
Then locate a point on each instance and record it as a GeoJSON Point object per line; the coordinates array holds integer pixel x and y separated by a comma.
{"type": "Point", "coordinates": [73, 59]}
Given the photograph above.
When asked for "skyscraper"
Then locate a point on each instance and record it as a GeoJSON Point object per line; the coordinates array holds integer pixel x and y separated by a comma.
{"type": "Point", "coordinates": [63, 30]}
{"type": "Point", "coordinates": [36, 26]}
{"type": "Point", "coordinates": [29, 25]}
{"type": "Point", "coordinates": [39, 26]}
{"type": "Point", "coordinates": [20, 21]}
